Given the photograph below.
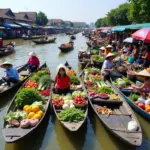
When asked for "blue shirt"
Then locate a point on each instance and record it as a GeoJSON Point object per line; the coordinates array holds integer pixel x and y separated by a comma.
{"type": "Point", "coordinates": [106, 65]}
{"type": "Point", "coordinates": [12, 72]}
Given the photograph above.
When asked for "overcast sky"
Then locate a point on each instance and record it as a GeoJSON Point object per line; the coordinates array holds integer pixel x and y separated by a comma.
{"type": "Point", "coordinates": [73, 10]}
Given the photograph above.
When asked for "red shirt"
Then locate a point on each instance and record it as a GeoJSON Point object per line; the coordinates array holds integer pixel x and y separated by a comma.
{"type": "Point", "coordinates": [62, 83]}
{"type": "Point", "coordinates": [1, 43]}
{"type": "Point", "coordinates": [33, 60]}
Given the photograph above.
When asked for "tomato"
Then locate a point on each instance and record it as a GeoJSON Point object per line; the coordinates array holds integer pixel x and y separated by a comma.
{"type": "Point", "coordinates": [141, 105]}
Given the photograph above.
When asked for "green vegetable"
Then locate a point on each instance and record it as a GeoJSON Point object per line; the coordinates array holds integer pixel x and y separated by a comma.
{"type": "Point", "coordinates": [128, 82]}
{"type": "Point", "coordinates": [78, 93]}
{"type": "Point", "coordinates": [40, 104]}
{"type": "Point", "coordinates": [94, 52]}
{"type": "Point", "coordinates": [134, 97]}
{"type": "Point", "coordinates": [45, 82]}
{"type": "Point", "coordinates": [106, 89]}
{"type": "Point", "coordinates": [71, 115]}
{"type": "Point", "coordinates": [92, 69]}
{"type": "Point", "coordinates": [27, 96]}
{"type": "Point", "coordinates": [19, 115]}
{"type": "Point", "coordinates": [39, 74]}
{"type": "Point", "coordinates": [74, 80]}
{"type": "Point", "coordinates": [68, 97]}
{"type": "Point", "coordinates": [98, 58]}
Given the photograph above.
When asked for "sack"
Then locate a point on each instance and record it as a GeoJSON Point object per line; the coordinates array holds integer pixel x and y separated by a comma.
{"type": "Point", "coordinates": [147, 102]}
{"type": "Point", "coordinates": [141, 99]}
{"type": "Point", "coordinates": [132, 126]}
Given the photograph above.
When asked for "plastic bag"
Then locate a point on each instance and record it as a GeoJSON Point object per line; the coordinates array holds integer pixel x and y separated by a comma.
{"type": "Point", "coordinates": [132, 126]}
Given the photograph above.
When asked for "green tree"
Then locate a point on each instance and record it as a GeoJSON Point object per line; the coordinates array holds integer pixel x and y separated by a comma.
{"type": "Point", "coordinates": [101, 22]}
{"type": "Point", "coordinates": [139, 11]}
{"type": "Point", "coordinates": [119, 16]}
{"type": "Point", "coordinates": [42, 19]}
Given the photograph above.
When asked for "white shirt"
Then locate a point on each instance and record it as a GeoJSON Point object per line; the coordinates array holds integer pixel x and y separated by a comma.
{"type": "Point", "coordinates": [106, 65]}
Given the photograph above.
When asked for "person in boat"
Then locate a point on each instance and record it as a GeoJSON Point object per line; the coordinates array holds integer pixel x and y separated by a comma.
{"type": "Point", "coordinates": [12, 75]}
{"type": "Point", "coordinates": [1, 42]}
{"type": "Point", "coordinates": [108, 50]}
{"type": "Point", "coordinates": [108, 65]}
{"type": "Point", "coordinates": [33, 62]}
{"type": "Point", "coordinates": [147, 57]}
{"type": "Point", "coordinates": [102, 51]}
{"type": "Point", "coordinates": [143, 88]}
{"type": "Point", "coordinates": [62, 81]}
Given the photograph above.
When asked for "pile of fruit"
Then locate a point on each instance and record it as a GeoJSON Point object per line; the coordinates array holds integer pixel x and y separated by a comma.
{"type": "Point", "coordinates": [30, 101]}
{"type": "Point", "coordinates": [71, 73]}
{"type": "Point", "coordinates": [104, 110]}
{"type": "Point", "coordinates": [58, 103]}
{"type": "Point", "coordinates": [79, 100]}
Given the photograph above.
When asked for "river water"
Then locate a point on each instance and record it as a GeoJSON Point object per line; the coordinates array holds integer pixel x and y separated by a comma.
{"type": "Point", "coordinates": [51, 135]}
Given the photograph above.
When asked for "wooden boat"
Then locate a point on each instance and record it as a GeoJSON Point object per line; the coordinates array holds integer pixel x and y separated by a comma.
{"type": "Point", "coordinates": [32, 37]}
{"type": "Point", "coordinates": [125, 93]}
{"type": "Point", "coordinates": [71, 126]}
{"type": "Point", "coordinates": [64, 49]}
{"type": "Point", "coordinates": [23, 74]}
{"type": "Point", "coordinates": [44, 42]}
{"type": "Point", "coordinates": [73, 37]}
{"type": "Point", "coordinates": [15, 134]}
{"type": "Point", "coordinates": [4, 51]}
{"type": "Point", "coordinates": [117, 122]}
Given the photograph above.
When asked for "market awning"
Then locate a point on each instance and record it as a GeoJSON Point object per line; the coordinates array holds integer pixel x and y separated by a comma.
{"type": "Point", "coordinates": [23, 25]}
{"type": "Point", "coordinates": [10, 25]}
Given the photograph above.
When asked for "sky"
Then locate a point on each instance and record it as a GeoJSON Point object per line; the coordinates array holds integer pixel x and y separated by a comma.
{"type": "Point", "coordinates": [78, 10]}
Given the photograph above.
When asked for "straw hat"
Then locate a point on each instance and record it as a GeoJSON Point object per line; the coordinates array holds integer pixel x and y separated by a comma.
{"type": "Point", "coordinates": [6, 63]}
{"type": "Point", "coordinates": [32, 53]}
{"type": "Point", "coordinates": [110, 55]}
{"type": "Point", "coordinates": [103, 48]}
{"type": "Point", "coordinates": [109, 46]}
{"type": "Point", "coordinates": [143, 73]}
{"type": "Point", "coordinates": [61, 66]}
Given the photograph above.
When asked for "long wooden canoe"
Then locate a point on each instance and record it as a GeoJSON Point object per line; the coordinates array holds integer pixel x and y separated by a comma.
{"type": "Point", "coordinates": [125, 94]}
{"type": "Point", "coordinates": [117, 122]}
{"type": "Point", "coordinates": [14, 134]}
{"type": "Point", "coordinates": [71, 126]}
{"type": "Point", "coordinates": [44, 42]}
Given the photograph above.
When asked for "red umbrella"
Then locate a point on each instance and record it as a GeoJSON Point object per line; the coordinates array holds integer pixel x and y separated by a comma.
{"type": "Point", "coordinates": [142, 34]}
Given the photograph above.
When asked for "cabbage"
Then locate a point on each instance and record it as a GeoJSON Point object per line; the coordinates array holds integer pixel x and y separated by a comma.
{"type": "Point", "coordinates": [65, 106]}
{"type": "Point", "coordinates": [67, 97]}
{"type": "Point", "coordinates": [121, 82]}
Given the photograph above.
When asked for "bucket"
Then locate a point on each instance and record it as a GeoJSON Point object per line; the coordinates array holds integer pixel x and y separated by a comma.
{"type": "Point", "coordinates": [131, 60]}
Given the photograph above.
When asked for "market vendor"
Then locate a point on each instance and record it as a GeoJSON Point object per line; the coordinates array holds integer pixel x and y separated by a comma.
{"type": "Point", "coordinates": [102, 51]}
{"type": "Point", "coordinates": [108, 65]}
{"type": "Point", "coordinates": [144, 87]}
{"type": "Point", "coordinates": [11, 73]}
{"type": "Point", "coordinates": [33, 62]}
{"type": "Point", "coordinates": [147, 57]}
{"type": "Point", "coordinates": [1, 42]}
{"type": "Point", "coordinates": [108, 50]}
{"type": "Point", "coordinates": [62, 81]}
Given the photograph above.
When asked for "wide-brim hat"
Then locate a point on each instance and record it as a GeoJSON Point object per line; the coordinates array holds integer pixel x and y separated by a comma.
{"type": "Point", "coordinates": [110, 55]}
{"type": "Point", "coordinates": [103, 48]}
{"type": "Point", "coordinates": [109, 46]}
{"type": "Point", "coordinates": [6, 63]}
{"type": "Point", "coordinates": [32, 54]}
{"type": "Point", "coordinates": [143, 73]}
{"type": "Point", "coordinates": [61, 66]}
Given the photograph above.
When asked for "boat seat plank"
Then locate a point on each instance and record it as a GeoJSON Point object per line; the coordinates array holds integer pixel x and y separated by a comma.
{"type": "Point", "coordinates": [113, 121]}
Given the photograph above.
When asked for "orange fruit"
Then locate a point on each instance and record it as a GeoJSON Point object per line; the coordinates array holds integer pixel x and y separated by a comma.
{"type": "Point", "coordinates": [40, 112]}
{"type": "Point", "coordinates": [37, 116]}
{"type": "Point", "coordinates": [35, 108]}
{"type": "Point", "coordinates": [25, 107]}
{"type": "Point", "coordinates": [31, 115]}
{"type": "Point", "coordinates": [28, 109]}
